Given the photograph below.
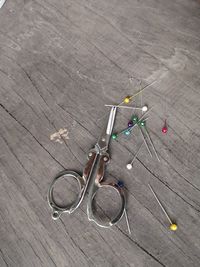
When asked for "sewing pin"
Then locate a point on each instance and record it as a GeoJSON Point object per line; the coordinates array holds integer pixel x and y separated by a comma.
{"type": "Point", "coordinates": [136, 120]}
{"type": "Point", "coordinates": [114, 136]}
{"type": "Point", "coordinates": [126, 131]}
{"type": "Point", "coordinates": [144, 108]}
{"type": "Point", "coordinates": [127, 222]}
{"type": "Point", "coordinates": [128, 98]}
{"type": "Point", "coordinates": [164, 129]}
{"type": "Point", "coordinates": [145, 142]}
{"type": "Point", "coordinates": [129, 166]}
{"type": "Point", "coordinates": [150, 140]}
{"type": "Point", "coordinates": [121, 184]}
{"type": "Point", "coordinates": [173, 226]}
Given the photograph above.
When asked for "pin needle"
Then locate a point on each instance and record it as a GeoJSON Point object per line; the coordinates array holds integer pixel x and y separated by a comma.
{"type": "Point", "coordinates": [145, 142]}
{"type": "Point", "coordinates": [121, 184]}
{"type": "Point", "coordinates": [154, 149]}
{"type": "Point", "coordinates": [127, 221]}
{"type": "Point", "coordinates": [144, 108]}
{"type": "Point", "coordinates": [173, 226]}
{"type": "Point", "coordinates": [128, 98]}
{"type": "Point", "coordinates": [126, 131]}
{"type": "Point", "coordinates": [114, 136]}
{"type": "Point", "coordinates": [130, 165]}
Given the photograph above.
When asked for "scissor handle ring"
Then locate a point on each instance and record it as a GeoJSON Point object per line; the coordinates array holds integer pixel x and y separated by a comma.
{"type": "Point", "coordinates": [119, 215]}
{"type": "Point", "coordinates": [57, 209]}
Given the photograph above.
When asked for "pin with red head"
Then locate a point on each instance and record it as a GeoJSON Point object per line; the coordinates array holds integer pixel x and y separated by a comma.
{"type": "Point", "coordinates": [164, 128]}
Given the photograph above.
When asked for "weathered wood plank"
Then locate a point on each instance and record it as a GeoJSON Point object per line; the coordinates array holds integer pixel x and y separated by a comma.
{"type": "Point", "coordinates": [59, 64]}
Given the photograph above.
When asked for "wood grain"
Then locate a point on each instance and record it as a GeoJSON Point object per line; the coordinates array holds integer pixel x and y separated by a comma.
{"type": "Point", "coordinates": [60, 62]}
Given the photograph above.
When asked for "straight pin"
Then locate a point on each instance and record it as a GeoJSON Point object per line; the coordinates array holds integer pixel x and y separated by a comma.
{"type": "Point", "coordinates": [150, 140]}
{"type": "Point", "coordinates": [173, 226]}
{"type": "Point", "coordinates": [121, 184]}
{"type": "Point", "coordinates": [145, 142]}
{"type": "Point", "coordinates": [130, 165]}
{"type": "Point", "coordinates": [128, 98]}
{"type": "Point", "coordinates": [144, 108]}
{"type": "Point", "coordinates": [126, 131]}
{"type": "Point", "coordinates": [127, 221]}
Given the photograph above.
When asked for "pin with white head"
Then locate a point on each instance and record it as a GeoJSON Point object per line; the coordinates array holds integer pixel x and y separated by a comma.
{"type": "Point", "coordinates": [143, 108]}
{"type": "Point", "coordinates": [129, 166]}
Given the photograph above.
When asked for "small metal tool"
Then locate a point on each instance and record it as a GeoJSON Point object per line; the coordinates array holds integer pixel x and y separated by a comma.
{"type": "Point", "coordinates": [173, 226]}
{"type": "Point", "coordinates": [91, 180]}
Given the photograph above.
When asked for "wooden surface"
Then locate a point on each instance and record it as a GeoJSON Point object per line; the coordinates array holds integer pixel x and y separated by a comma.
{"type": "Point", "coordinates": [60, 62]}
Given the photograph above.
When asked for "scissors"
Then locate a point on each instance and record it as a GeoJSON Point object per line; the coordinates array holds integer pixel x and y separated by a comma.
{"type": "Point", "coordinates": [92, 180]}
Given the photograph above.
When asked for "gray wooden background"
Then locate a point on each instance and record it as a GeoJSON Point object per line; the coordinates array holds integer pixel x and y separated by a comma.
{"type": "Point", "coordinates": [60, 62]}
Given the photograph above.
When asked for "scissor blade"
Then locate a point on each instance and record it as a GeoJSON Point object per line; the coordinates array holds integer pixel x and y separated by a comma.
{"type": "Point", "coordinates": [104, 138]}
{"type": "Point", "coordinates": [111, 120]}
{"type": "Point", "coordinates": [2, 3]}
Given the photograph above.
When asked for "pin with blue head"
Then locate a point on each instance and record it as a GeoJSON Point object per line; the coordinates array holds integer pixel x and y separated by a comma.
{"type": "Point", "coordinates": [120, 183]}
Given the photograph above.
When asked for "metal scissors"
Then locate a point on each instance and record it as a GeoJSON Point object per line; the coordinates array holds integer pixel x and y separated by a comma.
{"type": "Point", "coordinates": [92, 180]}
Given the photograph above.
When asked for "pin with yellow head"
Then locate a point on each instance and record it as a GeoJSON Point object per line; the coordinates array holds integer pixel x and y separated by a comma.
{"type": "Point", "coordinates": [173, 227]}
{"type": "Point", "coordinates": [127, 99]}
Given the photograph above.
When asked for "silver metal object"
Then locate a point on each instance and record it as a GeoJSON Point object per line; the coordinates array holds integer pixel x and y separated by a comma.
{"type": "Point", "coordinates": [2, 2]}
{"type": "Point", "coordinates": [163, 209]}
{"type": "Point", "coordinates": [129, 166]}
{"type": "Point", "coordinates": [150, 140]}
{"type": "Point", "coordinates": [127, 221]}
{"type": "Point", "coordinates": [91, 180]}
{"type": "Point", "coordinates": [145, 142]}
{"type": "Point", "coordinates": [126, 107]}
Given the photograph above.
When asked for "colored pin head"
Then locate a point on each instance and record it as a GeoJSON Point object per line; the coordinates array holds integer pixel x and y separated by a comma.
{"type": "Point", "coordinates": [165, 129]}
{"type": "Point", "coordinates": [129, 166]}
{"type": "Point", "coordinates": [142, 123]}
{"type": "Point", "coordinates": [127, 99]}
{"type": "Point", "coordinates": [173, 227]}
{"type": "Point", "coordinates": [134, 118]}
{"type": "Point", "coordinates": [114, 136]}
{"type": "Point", "coordinates": [120, 184]}
{"type": "Point", "coordinates": [144, 108]}
{"type": "Point", "coordinates": [130, 123]}
{"type": "Point", "coordinates": [127, 132]}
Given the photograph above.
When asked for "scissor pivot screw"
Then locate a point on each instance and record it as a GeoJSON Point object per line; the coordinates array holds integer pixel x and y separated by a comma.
{"type": "Point", "coordinates": [105, 158]}
{"type": "Point", "coordinates": [55, 215]}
